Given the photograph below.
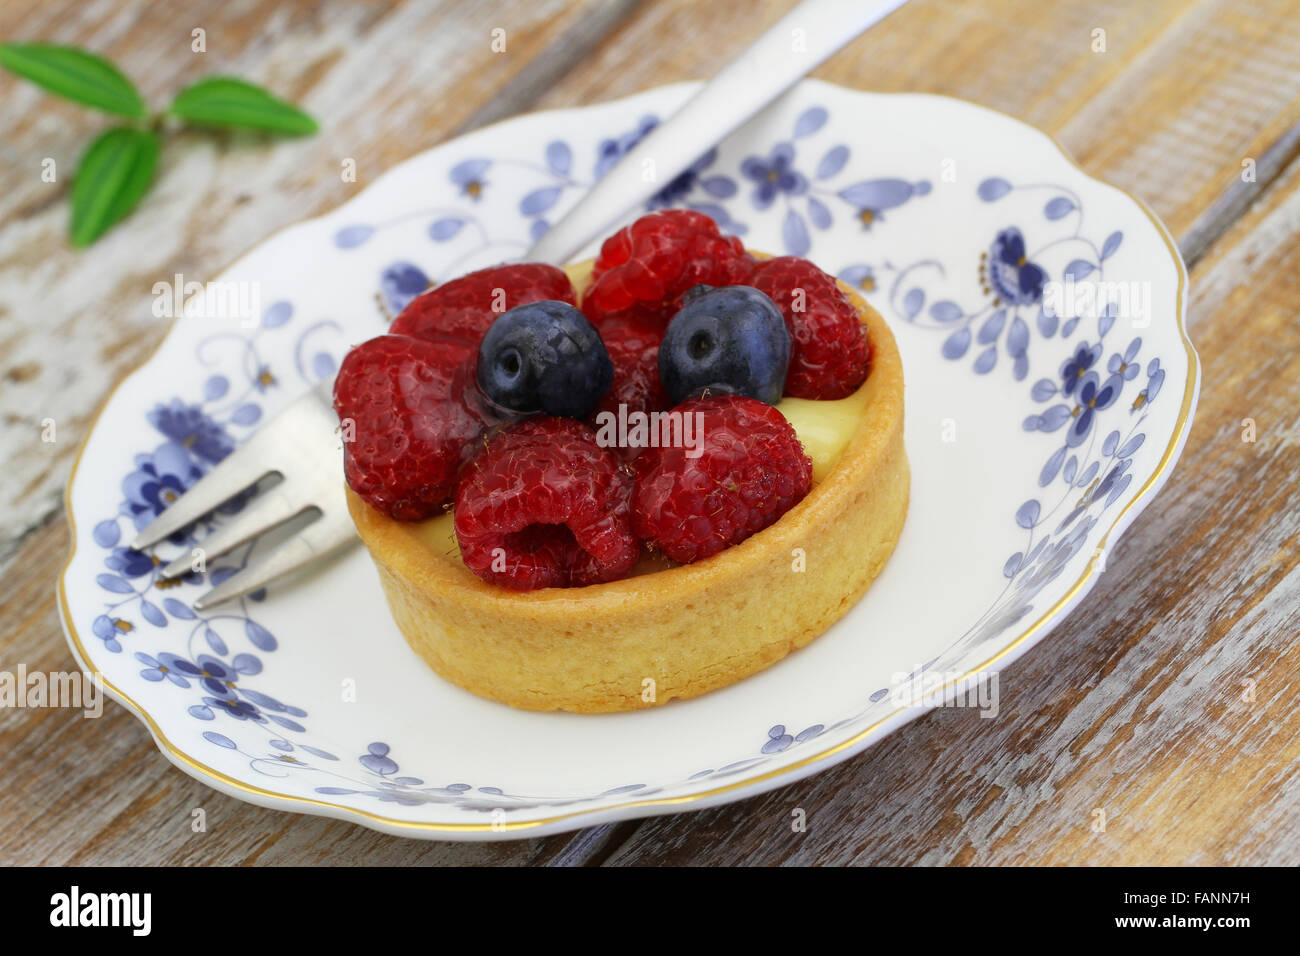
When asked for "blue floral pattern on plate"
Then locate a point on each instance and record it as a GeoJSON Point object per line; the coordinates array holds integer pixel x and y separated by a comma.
{"type": "Point", "coordinates": [1087, 403]}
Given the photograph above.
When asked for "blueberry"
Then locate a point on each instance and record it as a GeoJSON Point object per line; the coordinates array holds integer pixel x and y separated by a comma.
{"type": "Point", "coordinates": [732, 339]}
{"type": "Point", "coordinates": [544, 357]}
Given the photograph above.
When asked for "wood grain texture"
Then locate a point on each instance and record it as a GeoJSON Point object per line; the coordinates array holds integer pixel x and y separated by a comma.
{"type": "Point", "coordinates": [1133, 706]}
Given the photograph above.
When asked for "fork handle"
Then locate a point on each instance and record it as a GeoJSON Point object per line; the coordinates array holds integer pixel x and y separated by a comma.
{"type": "Point", "coordinates": [797, 44]}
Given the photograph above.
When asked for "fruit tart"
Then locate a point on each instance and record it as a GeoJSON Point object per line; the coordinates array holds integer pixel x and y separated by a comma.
{"type": "Point", "coordinates": [637, 479]}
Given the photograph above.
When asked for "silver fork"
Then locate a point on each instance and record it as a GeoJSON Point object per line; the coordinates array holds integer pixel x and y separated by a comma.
{"type": "Point", "coordinates": [302, 444]}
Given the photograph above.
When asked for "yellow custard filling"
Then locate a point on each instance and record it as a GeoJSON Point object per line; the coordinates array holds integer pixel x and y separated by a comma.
{"type": "Point", "coordinates": [440, 535]}
{"type": "Point", "coordinates": [824, 427]}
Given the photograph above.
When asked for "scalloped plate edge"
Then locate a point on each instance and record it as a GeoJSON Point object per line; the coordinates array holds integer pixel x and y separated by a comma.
{"type": "Point", "coordinates": [750, 786]}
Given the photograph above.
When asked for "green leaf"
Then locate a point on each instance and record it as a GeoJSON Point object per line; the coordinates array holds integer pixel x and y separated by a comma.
{"type": "Point", "coordinates": [75, 75]}
{"type": "Point", "coordinates": [115, 171]}
{"type": "Point", "coordinates": [223, 101]}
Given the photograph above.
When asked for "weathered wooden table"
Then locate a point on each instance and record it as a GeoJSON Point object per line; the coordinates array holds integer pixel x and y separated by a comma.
{"type": "Point", "coordinates": [1137, 704]}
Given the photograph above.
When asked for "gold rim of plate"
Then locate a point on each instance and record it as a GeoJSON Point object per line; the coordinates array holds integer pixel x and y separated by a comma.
{"type": "Point", "coordinates": [199, 769]}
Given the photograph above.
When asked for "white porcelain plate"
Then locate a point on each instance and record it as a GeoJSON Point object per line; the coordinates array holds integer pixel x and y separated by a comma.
{"type": "Point", "coordinates": [1050, 385]}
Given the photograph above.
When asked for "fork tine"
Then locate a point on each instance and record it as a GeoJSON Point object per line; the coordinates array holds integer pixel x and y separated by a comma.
{"type": "Point", "coordinates": [326, 534]}
{"type": "Point", "coordinates": [241, 468]}
{"type": "Point", "coordinates": [269, 509]}
{"type": "Point", "coordinates": [298, 433]}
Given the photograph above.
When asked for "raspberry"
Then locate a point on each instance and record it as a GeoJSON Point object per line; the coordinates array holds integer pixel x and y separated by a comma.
{"type": "Point", "coordinates": [652, 262]}
{"type": "Point", "coordinates": [829, 356]}
{"type": "Point", "coordinates": [751, 470]}
{"type": "Point", "coordinates": [632, 341]}
{"type": "Point", "coordinates": [544, 506]}
{"type": "Point", "coordinates": [416, 417]}
{"type": "Point", "coordinates": [466, 306]}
